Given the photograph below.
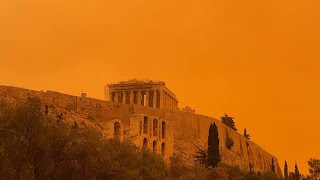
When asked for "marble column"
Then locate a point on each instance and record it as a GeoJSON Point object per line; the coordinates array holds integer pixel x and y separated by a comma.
{"type": "Point", "coordinates": [139, 97]}
{"type": "Point", "coordinates": [169, 105]}
{"type": "Point", "coordinates": [116, 97]}
{"type": "Point", "coordinates": [173, 107]}
{"type": "Point", "coordinates": [165, 100]}
{"type": "Point", "coordinates": [147, 98]}
{"type": "Point", "coordinates": [131, 97]}
{"type": "Point", "coordinates": [124, 97]}
{"type": "Point", "coordinates": [170, 101]}
{"type": "Point", "coordinates": [155, 99]}
{"type": "Point", "coordinates": [161, 99]}
{"type": "Point", "coordinates": [110, 96]}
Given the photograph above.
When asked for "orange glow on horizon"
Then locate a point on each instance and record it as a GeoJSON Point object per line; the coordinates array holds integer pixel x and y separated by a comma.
{"type": "Point", "coordinates": [258, 61]}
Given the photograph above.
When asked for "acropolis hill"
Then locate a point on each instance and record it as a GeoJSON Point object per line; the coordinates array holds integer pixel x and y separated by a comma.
{"type": "Point", "coordinates": [147, 114]}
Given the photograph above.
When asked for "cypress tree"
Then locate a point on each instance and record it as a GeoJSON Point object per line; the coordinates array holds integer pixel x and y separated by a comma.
{"type": "Point", "coordinates": [273, 169]}
{"type": "Point", "coordinates": [286, 173]}
{"type": "Point", "coordinates": [296, 172]}
{"type": "Point", "coordinates": [213, 146]}
{"type": "Point", "coordinates": [245, 134]}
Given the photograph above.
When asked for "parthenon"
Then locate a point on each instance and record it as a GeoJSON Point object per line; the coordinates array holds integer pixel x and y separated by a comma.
{"type": "Point", "coordinates": [147, 93]}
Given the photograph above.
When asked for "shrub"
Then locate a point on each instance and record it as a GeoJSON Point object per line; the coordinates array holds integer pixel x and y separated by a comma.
{"type": "Point", "coordinates": [229, 143]}
{"type": "Point", "coordinates": [34, 146]}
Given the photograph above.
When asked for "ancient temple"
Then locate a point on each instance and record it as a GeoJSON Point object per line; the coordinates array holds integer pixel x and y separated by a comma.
{"type": "Point", "coordinates": [147, 93]}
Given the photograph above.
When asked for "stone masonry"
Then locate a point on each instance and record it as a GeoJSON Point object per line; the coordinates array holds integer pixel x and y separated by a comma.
{"type": "Point", "coordinates": [142, 92]}
{"type": "Point", "coordinates": [161, 129]}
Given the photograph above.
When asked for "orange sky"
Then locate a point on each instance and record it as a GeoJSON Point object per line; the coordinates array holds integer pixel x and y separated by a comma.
{"type": "Point", "coordinates": [255, 60]}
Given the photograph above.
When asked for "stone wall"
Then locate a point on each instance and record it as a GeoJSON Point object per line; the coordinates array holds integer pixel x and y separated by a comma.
{"type": "Point", "coordinates": [184, 131]}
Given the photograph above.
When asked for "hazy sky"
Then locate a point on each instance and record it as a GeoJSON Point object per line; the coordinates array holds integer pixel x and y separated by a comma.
{"type": "Point", "coordinates": [258, 61]}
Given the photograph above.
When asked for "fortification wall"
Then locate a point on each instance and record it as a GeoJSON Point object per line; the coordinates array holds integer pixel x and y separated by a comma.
{"type": "Point", "coordinates": [184, 131]}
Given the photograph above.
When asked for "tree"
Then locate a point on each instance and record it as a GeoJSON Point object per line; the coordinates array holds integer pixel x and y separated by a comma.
{"type": "Point", "coordinates": [201, 156]}
{"type": "Point", "coordinates": [227, 120]}
{"type": "Point", "coordinates": [213, 146]}
{"type": "Point", "coordinates": [229, 141]}
{"type": "Point", "coordinates": [314, 168]}
{"type": "Point", "coordinates": [34, 146]}
{"type": "Point", "coordinates": [296, 172]}
{"type": "Point", "coordinates": [245, 134]}
{"type": "Point", "coordinates": [273, 169]}
{"type": "Point", "coordinates": [286, 173]}
{"type": "Point", "coordinates": [177, 166]}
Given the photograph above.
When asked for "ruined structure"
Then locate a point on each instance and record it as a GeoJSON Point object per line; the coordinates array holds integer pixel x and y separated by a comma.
{"type": "Point", "coordinates": [154, 124]}
{"type": "Point", "coordinates": [142, 92]}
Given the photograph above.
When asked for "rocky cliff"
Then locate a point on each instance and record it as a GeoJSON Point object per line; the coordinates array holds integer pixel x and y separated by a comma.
{"type": "Point", "coordinates": [186, 131]}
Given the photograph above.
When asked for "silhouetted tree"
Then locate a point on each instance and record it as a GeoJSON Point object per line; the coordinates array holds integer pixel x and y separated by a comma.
{"type": "Point", "coordinates": [296, 172]}
{"type": "Point", "coordinates": [59, 118]}
{"type": "Point", "coordinates": [285, 172]}
{"type": "Point", "coordinates": [213, 146]}
{"type": "Point", "coordinates": [227, 120]}
{"type": "Point", "coordinates": [314, 168]}
{"type": "Point", "coordinates": [245, 134]}
{"type": "Point", "coordinates": [251, 166]}
{"type": "Point", "coordinates": [33, 146]}
{"type": "Point", "coordinates": [229, 141]}
{"type": "Point", "coordinates": [177, 166]}
{"type": "Point", "coordinates": [273, 169]}
{"type": "Point", "coordinates": [201, 155]}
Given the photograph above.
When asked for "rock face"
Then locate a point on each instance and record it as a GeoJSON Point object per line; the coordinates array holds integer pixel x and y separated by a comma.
{"type": "Point", "coordinates": [163, 131]}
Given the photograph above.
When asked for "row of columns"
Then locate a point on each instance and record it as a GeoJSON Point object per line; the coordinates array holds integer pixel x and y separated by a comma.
{"type": "Point", "coordinates": [169, 102]}
{"type": "Point", "coordinates": [159, 99]}
{"type": "Point", "coordinates": [141, 97]}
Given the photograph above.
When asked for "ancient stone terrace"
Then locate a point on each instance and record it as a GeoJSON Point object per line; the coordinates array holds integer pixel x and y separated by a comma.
{"type": "Point", "coordinates": [161, 130]}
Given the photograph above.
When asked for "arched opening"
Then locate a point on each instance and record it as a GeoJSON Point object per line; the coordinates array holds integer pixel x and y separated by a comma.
{"type": "Point", "coordinates": [117, 130]}
{"type": "Point", "coordinates": [155, 127]}
{"type": "Point", "coordinates": [163, 129]}
{"type": "Point", "coordinates": [145, 125]}
{"type": "Point", "coordinates": [154, 146]}
{"type": "Point", "coordinates": [145, 143]}
{"type": "Point", "coordinates": [163, 149]}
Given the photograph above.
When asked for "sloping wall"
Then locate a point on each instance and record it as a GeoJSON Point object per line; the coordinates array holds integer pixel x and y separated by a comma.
{"type": "Point", "coordinates": [186, 131]}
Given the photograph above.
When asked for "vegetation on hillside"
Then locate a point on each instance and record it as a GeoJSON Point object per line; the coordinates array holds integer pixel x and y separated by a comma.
{"type": "Point", "coordinates": [285, 170]}
{"type": "Point", "coordinates": [34, 145]}
{"type": "Point", "coordinates": [245, 134]}
{"type": "Point", "coordinates": [314, 169]}
{"type": "Point", "coordinates": [227, 120]}
{"type": "Point", "coordinates": [213, 146]}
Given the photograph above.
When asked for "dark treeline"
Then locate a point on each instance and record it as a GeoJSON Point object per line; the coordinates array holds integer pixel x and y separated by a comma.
{"type": "Point", "coordinates": [35, 146]}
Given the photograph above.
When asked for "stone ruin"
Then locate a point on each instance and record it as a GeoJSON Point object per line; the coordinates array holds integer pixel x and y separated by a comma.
{"type": "Point", "coordinates": [147, 114]}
